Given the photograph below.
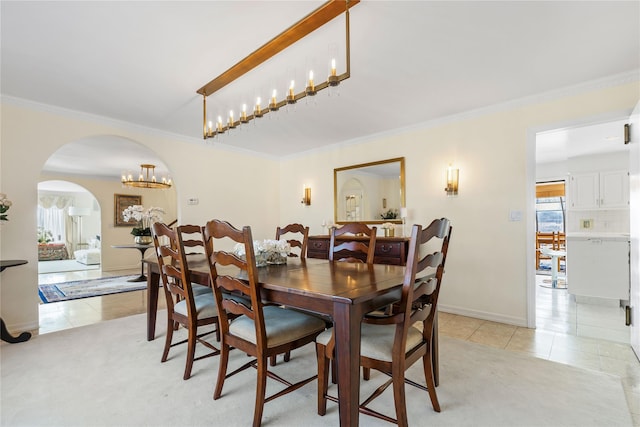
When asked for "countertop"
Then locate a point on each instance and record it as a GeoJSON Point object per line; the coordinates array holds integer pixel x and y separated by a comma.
{"type": "Point", "coordinates": [598, 235]}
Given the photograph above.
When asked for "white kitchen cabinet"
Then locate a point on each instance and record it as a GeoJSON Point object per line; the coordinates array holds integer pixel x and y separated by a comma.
{"type": "Point", "coordinates": [599, 190]}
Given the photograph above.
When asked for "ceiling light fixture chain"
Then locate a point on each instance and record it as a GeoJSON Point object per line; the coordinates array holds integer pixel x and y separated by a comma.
{"type": "Point", "coordinates": [308, 24]}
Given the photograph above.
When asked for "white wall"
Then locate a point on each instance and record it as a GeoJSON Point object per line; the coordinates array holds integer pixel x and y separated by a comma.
{"type": "Point", "coordinates": [230, 185]}
{"type": "Point", "coordinates": [487, 267]}
{"type": "Point", "coordinates": [486, 274]}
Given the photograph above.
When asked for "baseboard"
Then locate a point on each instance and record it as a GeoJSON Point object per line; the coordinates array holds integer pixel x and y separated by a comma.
{"type": "Point", "coordinates": [493, 317]}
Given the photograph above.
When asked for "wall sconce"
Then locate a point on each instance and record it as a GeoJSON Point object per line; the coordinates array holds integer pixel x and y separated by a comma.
{"type": "Point", "coordinates": [452, 181]}
{"type": "Point", "coordinates": [306, 198]}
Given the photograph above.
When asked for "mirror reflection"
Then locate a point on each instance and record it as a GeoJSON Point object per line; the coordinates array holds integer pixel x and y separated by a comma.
{"type": "Point", "coordinates": [370, 192]}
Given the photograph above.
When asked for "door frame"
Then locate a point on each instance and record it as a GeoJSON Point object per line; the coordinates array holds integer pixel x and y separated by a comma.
{"type": "Point", "coordinates": [530, 194]}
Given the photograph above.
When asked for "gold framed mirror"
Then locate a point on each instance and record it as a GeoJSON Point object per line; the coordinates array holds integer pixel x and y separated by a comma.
{"type": "Point", "coordinates": [372, 193]}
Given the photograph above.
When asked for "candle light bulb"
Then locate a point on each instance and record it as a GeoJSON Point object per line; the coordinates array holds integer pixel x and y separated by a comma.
{"type": "Point", "coordinates": [333, 67]}
{"type": "Point", "coordinates": [311, 78]}
{"type": "Point", "coordinates": [291, 88]}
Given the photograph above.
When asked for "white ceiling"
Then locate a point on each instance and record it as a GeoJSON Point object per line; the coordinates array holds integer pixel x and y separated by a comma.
{"type": "Point", "coordinates": [559, 145]}
{"type": "Point", "coordinates": [411, 62]}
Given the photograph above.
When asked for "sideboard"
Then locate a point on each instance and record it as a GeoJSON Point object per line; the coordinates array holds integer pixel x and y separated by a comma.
{"type": "Point", "coordinates": [389, 250]}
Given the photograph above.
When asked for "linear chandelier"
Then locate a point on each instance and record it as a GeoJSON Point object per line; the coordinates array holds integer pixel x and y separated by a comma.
{"type": "Point", "coordinates": [305, 26]}
{"type": "Point", "coordinates": [146, 179]}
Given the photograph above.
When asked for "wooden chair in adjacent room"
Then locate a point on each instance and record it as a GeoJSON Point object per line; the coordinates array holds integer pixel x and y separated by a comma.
{"type": "Point", "coordinates": [356, 250]}
{"type": "Point", "coordinates": [299, 242]}
{"type": "Point", "coordinates": [186, 307]}
{"type": "Point", "coordinates": [560, 244]}
{"type": "Point", "coordinates": [391, 344]}
{"type": "Point", "coordinates": [260, 330]}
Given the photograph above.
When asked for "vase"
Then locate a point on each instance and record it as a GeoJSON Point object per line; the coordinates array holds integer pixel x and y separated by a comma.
{"type": "Point", "coordinates": [389, 232]}
{"type": "Point", "coordinates": [143, 240]}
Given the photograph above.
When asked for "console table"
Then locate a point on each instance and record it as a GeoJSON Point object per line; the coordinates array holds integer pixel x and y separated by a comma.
{"type": "Point", "coordinates": [142, 249]}
{"type": "Point", "coordinates": [4, 332]}
{"type": "Point", "coordinates": [389, 250]}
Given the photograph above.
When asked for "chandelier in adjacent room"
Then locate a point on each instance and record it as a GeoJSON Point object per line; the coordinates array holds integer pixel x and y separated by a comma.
{"type": "Point", "coordinates": [146, 179]}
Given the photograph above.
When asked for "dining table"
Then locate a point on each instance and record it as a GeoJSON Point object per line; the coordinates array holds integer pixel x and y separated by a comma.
{"type": "Point", "coordinates": [344, 291]}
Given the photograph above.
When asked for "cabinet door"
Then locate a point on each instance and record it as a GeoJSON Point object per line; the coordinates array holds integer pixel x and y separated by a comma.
{"type": "Point", "coordinates": [584, 191]}
{"type": "Point", "coordinates": [614, 189]}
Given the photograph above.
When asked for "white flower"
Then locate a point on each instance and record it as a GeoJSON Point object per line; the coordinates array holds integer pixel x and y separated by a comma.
{"type": "Point", "coordinates": [265, 249]}
{"type": "Point", "coordinates": [387, 226]}
{"type": "Point", "coordinates": [145, 217]}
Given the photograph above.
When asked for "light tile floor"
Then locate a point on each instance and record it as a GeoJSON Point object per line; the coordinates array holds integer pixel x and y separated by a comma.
{"type": "Point", "coordinates": [555, 338]}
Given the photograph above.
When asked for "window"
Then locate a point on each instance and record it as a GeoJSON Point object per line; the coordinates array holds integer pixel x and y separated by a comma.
{"type": "Point", "coordinates": [550, 207]}
{"type": "Point", "coordinates": [52, 220]}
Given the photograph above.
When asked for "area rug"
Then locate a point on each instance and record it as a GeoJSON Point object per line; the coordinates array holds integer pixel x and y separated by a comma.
{"type": "Point", "coordinates": [65, 291]}
{"type": "Point", "coordinates": [108, 374]}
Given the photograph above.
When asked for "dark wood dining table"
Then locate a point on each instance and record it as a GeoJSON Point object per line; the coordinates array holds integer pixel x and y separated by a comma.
{"type": "Point", "coordinates": [344, 291]}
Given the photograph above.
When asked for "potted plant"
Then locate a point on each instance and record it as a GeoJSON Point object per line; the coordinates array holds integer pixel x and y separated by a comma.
{"type": "Point", "coordinates": [44, 236]}
{"type": "Point", "coordinates": [145, 219]}
{"type": "Point", "coordinates": [390, 214]}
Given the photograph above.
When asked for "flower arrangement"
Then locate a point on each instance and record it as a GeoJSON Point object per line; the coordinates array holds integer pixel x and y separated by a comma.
{"type": "Point", "coordinates": [44, 236]}
{"type": "Point", "coordinates": [390, 214]}
{"type": "Point", "coordinates": [266, 251]}
{"type": "Point", "coordinates": [145, 218]}
{"type": "Point", "coordinates": [387, 226]}
{"type": "Point", "coordinates": [5, 204]}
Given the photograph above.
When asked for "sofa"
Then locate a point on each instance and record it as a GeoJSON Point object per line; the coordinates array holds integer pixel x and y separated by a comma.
{"type": "Point", "coordinates": [52, 252]}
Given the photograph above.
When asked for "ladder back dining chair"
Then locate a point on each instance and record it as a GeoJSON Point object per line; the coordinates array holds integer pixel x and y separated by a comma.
{"type": "Point", "coordinates": [188, 304]}
{"type": "Point", "coordinates": [259, 330]}
{"type": "Point", "coordinates": [356, 250]}
{"type": "Point", "coordinates": [393, 342]}
{"type": "Point", "coordinates": [298, 242]}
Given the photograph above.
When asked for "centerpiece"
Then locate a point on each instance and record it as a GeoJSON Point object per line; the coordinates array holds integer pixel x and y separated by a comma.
{"type": "Point", "coordinates": [145, 219]}
{"type": "Point", "coordinates": [266, 251]}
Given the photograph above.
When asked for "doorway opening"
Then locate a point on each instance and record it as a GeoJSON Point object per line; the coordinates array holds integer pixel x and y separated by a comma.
{"type": "Point", "coordinates": [68, 227]}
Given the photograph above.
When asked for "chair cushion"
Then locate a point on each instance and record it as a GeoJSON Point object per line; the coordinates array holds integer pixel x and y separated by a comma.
{"type": "Point", "coordinates": [200, 289]}
{"type": "Point", "coordinates": [377, 340]}
{"type": "Point", "coordinates": [205, 306]}
{"type": "Point", "coordinates": [282, 326]}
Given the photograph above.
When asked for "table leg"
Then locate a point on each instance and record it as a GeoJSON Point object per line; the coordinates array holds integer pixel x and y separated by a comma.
{"type": "Point", "coordinates": [142, 277]}
{"type": "Point", "coordinates": [153, 288]}
{"type": "Point", "coordinates": [7, 337]}
{"type": "Point", "coordinates": [347, 320]}
{"type": "Point", "coordinates": [554, 272]}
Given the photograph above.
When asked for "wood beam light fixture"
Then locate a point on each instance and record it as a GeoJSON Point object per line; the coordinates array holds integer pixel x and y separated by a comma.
{"type": "Point", "coordinates": [297, 31]}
